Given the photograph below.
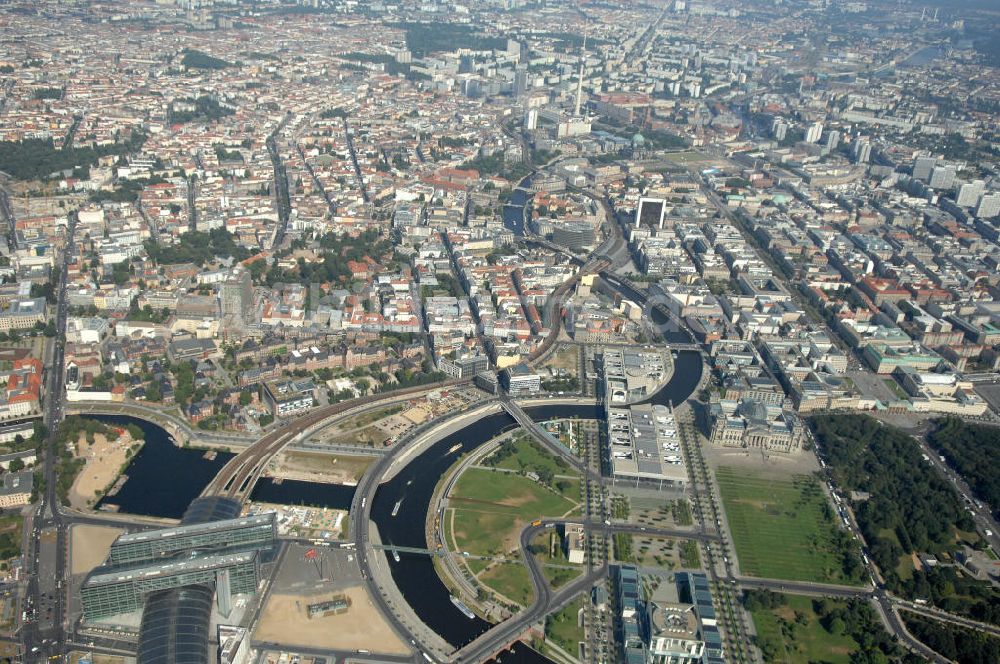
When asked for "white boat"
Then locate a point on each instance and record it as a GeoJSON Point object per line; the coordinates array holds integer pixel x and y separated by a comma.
{"type": "Point", "coordinates": [462, 607]}
{"type": "Point", "coordinates": [395, 556]}
{"type": "Point", "coordinates": [395, 508]}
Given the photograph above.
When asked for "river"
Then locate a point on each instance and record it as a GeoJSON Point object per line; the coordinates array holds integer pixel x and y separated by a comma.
{"type": "Point", "coordinates": [924, 56]}
{"type": "Point", "coordinates": [414, 574]}
{"type": "Point", "coordinates": [163, 479]}
{"type": "Point", "coordinates": [513, 211]}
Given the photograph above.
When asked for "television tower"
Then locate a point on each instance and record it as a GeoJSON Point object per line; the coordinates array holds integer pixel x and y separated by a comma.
{"type": "Point", "coordinates": [579, 82]}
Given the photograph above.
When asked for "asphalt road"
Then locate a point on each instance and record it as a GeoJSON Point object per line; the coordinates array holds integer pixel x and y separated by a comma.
{"type": "Point", "coordinates": [980, 511]}
{"type": "Point", "coordinates": [43, 633]}
{"type": "Point", "coordinates": [545, 601]}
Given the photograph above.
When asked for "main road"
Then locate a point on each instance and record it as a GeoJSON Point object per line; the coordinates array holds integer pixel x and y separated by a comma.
{"type": "Point", "coordinates": [44, 635]}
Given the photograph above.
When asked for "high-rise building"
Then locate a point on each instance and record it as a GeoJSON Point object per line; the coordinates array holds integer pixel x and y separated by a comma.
{"type": "Point", "coordinates": [519, 380]}
{"type": "Point", "coordinates": [779, 128]}
{"type": "Point", "coordinates": [922, 167]}
{"type": "Point", "coordinates": [814, 133]}
{"type": "Point", "coordinates": [531, 119]}
{"type": "Point", "coordinates": [520, 81]}
{"type": "Point", "coordinates": [650, 212]}
{"type": "Point", "coordinates": [213, 546]}
{"type": "Point", "coordinates": [576, 235]}
{"type": "Point", "coordinates": [861, 149]}
{"type": "Point", "coordinates": [942, 177]}
{"type": "Point", "coordinates": [236, 297]}
{"type": "Point", "coordinates": [969, 193]}
{"type": "Point", "coordinates": [464, 367]}
{"type": "Point", "coordinates": [989, 206]}
{"type": "Point", "coordinates": [832, 139]}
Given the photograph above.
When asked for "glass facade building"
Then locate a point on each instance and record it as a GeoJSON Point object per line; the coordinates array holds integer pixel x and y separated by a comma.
{"type": "Point", "coordinates": [136, 548]}
{"type": "Point", "coordinates": [111, 592]}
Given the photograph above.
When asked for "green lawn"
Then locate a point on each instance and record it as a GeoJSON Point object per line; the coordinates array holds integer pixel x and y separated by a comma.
{"type": "Point", "coordinates": [11, 527]}
{"type": "Point", "coordinates": [896, 388]}
{"type": "Point", "coordinates": [510, 580]}
{"type": "Point", "coordinates": [563, 628]}
{"type": "Point", "coordinates": [560, 576]}
{"type": "Point", "coordinates": [491, 508]}
{"type": "Point", "coordinates": [790, 641]}
{"type": "Point", "coordinates": [782, 529]}
{"type": "Point", "coordinates": [530, 456]}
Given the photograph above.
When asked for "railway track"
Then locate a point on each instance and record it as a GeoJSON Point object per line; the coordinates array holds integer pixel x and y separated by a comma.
{"type": "Point", "coordinates": [238, 476]}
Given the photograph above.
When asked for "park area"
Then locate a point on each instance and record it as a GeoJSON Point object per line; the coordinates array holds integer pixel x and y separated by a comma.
{"type": "Point", "coordinates": [793, 634]}
{"type": "Point", "coordinates": [785, 529]}
{"type": "Point", "coordinates": [564, 628]}
{"type": "Point", "coordinates": [489, 508]}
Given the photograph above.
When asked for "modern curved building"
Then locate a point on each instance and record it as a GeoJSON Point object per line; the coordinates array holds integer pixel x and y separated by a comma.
{"type": "Point", "coordinates": [175, 626]}
{"type": "Point", "coordinates": [173, 575]}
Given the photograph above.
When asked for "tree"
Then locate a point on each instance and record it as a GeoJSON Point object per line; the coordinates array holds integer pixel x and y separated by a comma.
{"type": "Point", "coordinates": [545, 475]}
{"type": "Point", "coordinates": [15, 465]}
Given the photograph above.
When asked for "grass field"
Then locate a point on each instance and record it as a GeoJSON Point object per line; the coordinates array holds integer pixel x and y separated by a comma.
{"type": "Point", "coordinates": [563, 626]}
{"type": "Point", "coordinates": [896, 389]}
{"type": "Point", "coordinates": [782, 529]}
{"type": "Point", "coordinates": [490, 509]}
{"type": "Point", "coordinates": [487, 511]}
{"type": "Point", "coordinates": [799, 641]}
{"type": "Point", "coordinates": [566, 359]}
{"type": "Point", "coordinates": [530, 456]}
{"type": "Point", "coordinates": [510, 580]}
{"type": "Point", "coordinates": [11, 527]}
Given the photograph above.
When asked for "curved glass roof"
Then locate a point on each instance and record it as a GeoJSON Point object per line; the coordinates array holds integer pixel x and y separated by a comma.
{"type": "Point", "coordinates": [175, 625]}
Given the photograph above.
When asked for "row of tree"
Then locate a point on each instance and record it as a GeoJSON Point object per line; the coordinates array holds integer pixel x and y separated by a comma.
{"type": "Point", "coordinates": [958, 644]}
{"type": "Point", "coordinates": [972, 450]}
